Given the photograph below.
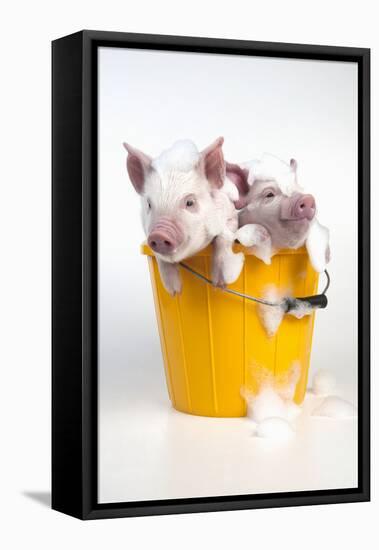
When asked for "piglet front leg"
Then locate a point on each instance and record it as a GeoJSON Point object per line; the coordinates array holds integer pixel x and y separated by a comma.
{"type": "Point", "coordinates": [226, 265]}
{"type": "Point", "coordinates": [255, 236]}
{"type": "Point", "coordinates": [170, 277]}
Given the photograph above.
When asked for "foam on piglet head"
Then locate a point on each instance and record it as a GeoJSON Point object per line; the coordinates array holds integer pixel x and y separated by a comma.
{"type": "Point", "coordinates": [270, 167]}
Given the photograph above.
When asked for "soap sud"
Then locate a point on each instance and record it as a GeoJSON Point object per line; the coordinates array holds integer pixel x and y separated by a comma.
{"type": "Point", "coordinates": [272, 316]}
{"type": "Point", "coordinates": [275, 428]}
{"type": "Point", "coordinates": [302, 308]}
{"type": "Point", "coordinates": [323, 383]}
{"type": "Point", "coordinates": [270, 167]}
{"type": "Point", "coordinates": [293, 411]}
{"type": "Point", "coordinates": [271, 409]}
{"type": "Point", "coordinates": [259, 378]}
{"type": "Point", "coordinates": [268, 403]}
{"type": "Point", "coordinates": [182, 155]}
{"type": "Point", "coordinates": [335, 407]}
{"type": "Point", "coordinates": [317, 245]}
{"type": "Point", "coordinates": [286, 384]}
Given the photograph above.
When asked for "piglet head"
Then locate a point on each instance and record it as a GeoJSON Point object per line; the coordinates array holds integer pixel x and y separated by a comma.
{"type": "Point", "coordinates": [289, 218]}
{"type": "Point", "coordinates": [176, 191]}
{"type": "Point", "coordinates": [286, 217]}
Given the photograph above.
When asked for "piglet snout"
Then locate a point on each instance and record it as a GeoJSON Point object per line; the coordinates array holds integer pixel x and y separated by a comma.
{"type": "Point", "coordinates": [304, 207]}
{"type": "Point", "coordinates": [298, 207]}
{"type": "Point", "coordinates": [165, 237]}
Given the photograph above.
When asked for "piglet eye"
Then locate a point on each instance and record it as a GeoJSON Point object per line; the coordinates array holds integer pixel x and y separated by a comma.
{"type": "Point", "coordinates": [189, 203]}
{"type": "Point", "coordinates": [148, 204]}
{"type": "Point", "coordinates": [269, 195]}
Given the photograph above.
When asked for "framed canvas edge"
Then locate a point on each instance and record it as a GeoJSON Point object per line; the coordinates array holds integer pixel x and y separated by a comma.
{"type": "Point", "coordinates": [80, 494]}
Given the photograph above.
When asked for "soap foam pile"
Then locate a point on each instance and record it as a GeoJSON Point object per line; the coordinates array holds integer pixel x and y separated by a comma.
{"type": "Point", "coordinates": [332, 406]}
{"type": "Point", "coordinates": [271, 408]}
{"type": "Point", "coordinates": [335, 407]}
{"type": "Point", "coordinates": [182, 156]}
{"type": "Point", "coordinates": [270, 167]}
{"type": "Point", "coordinates": [323, 383]}
{"type": "Point", "coordinates": [270, 404]}
{"type": "Point", "coordinates": [272, 316]}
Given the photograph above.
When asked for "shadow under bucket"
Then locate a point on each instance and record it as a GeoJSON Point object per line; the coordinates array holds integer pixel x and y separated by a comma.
{"type": "Point", "coordinates": [212, 342]}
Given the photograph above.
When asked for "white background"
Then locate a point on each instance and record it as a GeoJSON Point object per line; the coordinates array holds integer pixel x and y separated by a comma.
{"type": "Point", "coordinates": [25, 275]}
{"type": "Point", "coordinates": [291, 108]}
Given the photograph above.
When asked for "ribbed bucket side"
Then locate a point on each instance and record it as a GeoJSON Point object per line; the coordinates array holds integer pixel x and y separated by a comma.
{"type": "Point", "coordinates": [213, 343]}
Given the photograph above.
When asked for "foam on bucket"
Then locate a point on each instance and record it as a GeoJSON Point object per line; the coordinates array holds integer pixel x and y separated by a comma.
{"type": "Point", "coordinates": [272, 316]}
{"type": "Point", "coordinates": [271, 407]}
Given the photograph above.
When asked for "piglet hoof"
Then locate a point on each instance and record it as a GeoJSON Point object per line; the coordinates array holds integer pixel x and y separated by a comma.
{"type": "Point", "coordinates": [228, 270]}
{"type": "Point", "coordinates": [173, 287]}
{"type": "Point", "coordinates": [246, 235]}
{"type": "Point", "coordinates": [258, 239]}
{"type": "Point", "coordinates": [219, 283]}
{"type": "Point", "coordinates": [233, 266]}
{"type": "Point", "coordinates": [218, 280]}
{"type": "Point", "coordinates": [263, 252]}
{"type": "Point", "coordinates": [262, 235]}
{"type": "Point", "coordinates": [252, 235]}
{"type": "Point", "coordinates": [170, 277]}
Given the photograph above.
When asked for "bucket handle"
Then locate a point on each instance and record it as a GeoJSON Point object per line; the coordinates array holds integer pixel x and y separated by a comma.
{"type": "Point", "coordinates": [317, 301]}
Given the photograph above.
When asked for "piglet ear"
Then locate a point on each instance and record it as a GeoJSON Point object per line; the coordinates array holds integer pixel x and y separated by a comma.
{"type": "Point", "coordinates": [317, 245]}
{"type": "Point", "coordinates": [238, 176]}
{"type": "Point", "coordinates": [293, 168]}
{"type": "Point", "coordinates": [293, 165]}
{"type": "Point", "coordinates": [213, 164]}
{"type": "Point", "coordinates": [138, 165]}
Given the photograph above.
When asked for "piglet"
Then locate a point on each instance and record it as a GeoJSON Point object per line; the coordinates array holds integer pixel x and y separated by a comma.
{"type": "Point", "coordinates": [187, 203]}
{"type": "Point", "coordinates": [275, 213]}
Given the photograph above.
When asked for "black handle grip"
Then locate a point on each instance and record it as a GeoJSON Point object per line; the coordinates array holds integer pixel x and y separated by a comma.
{"type": "Point", "coordinates": [319, 301]}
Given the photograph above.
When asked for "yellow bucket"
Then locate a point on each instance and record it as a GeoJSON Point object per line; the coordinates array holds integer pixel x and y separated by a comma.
{"type": "Point", "coordinates": [212, 341]}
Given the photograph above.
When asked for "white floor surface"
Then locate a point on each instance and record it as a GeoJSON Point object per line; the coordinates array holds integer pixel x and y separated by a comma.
{"type": "Point", "coordinates": [150, 451]}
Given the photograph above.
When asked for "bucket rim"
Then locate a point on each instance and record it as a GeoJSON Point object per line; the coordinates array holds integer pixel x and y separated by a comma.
{"type": "Point", "coordinates": [206, 252]}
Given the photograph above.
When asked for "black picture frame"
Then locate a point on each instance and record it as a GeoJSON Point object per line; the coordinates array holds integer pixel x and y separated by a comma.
{"type": "Point", "coordinates": [74, 273]}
